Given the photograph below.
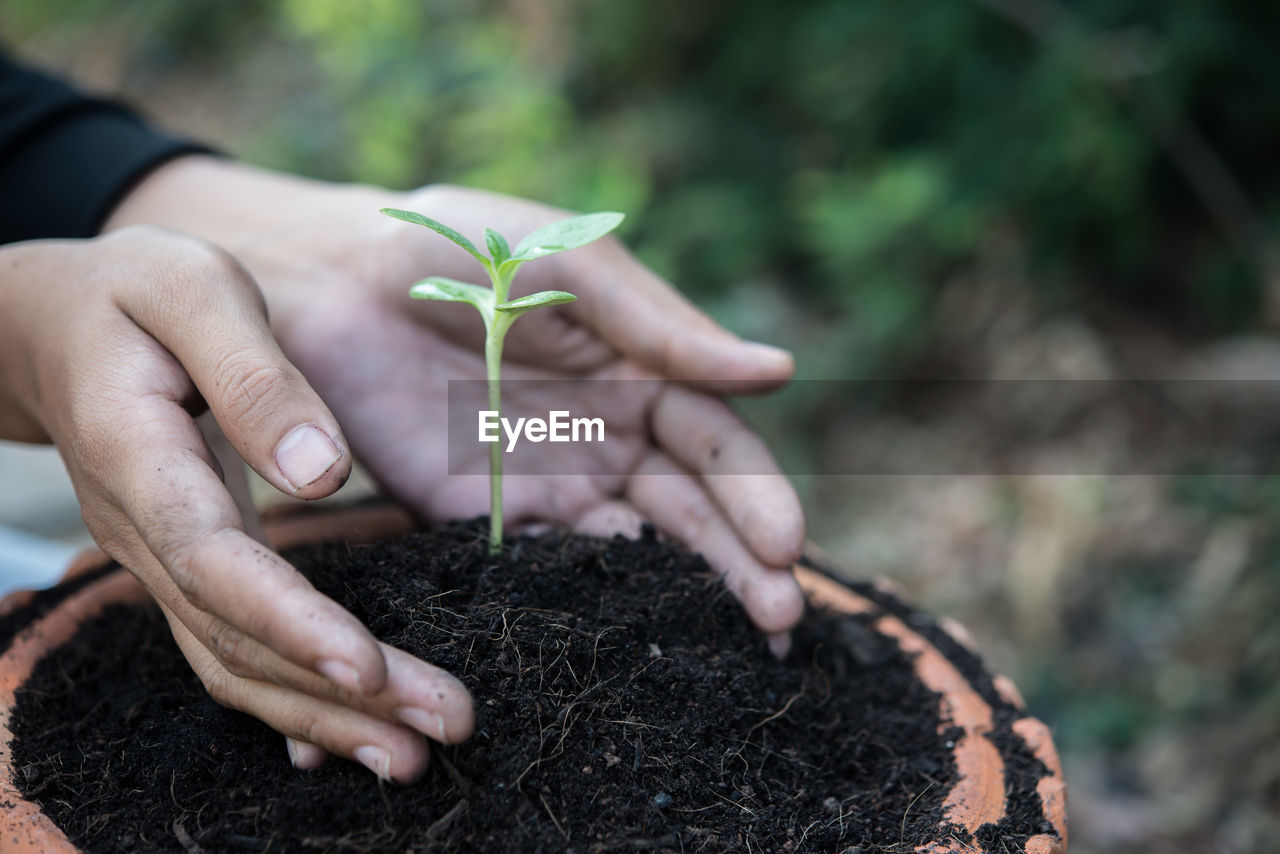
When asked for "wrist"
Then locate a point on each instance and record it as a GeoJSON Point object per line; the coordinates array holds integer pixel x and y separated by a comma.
{"type": "Point", "coordinates": [220, 200]}
{"type": "Point", "coordinates": [290, 233]}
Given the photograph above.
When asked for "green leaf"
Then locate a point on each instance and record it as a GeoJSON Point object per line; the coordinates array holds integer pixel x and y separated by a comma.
{"type": "Point", "coordinates": [566, 234]}
{"type": "Point", "coordinates": [497, 244]}
{"type": "Point", "coordinates": [439, 228]}
{"type": "Point", "coordinates": [532, 301]}
{"type": "Point", "coordinates": [451, 290]}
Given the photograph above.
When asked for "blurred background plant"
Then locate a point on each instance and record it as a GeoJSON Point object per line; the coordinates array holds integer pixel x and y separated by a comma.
{"type": "Point", "coordinates": [894, 189]}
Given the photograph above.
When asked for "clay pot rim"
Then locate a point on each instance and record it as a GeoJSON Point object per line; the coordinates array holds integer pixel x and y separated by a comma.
{"type": "Point", "coordinates": [977, 797]}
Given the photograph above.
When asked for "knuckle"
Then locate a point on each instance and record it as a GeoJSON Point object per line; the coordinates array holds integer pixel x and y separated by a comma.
{"type": "Point", "coordinates": [138, 234]}
{"type": "Point", "coordinates": [113, 535]}
{"type": "Point", "coordinates": [666, 351]}
{"type": "Point", "coordinates": [251, 389]}
{"type": "Point", "coordinates": [726, 437]}
{"type": "Point", "coordinates": [181, 566]}
{"type": "Point", "coordinates": [308, 725]}
{"type": "Point", "coordinates": [183, 253]}
{"type": "Point", "coordinates": [194, 272]}
{"type": "Point", "coordinates": [699, 513]}
{"type": "Point", "coordinates": [183, 554]}
{"type": "Point", "coordinates": [218, 684]}
{"type": "Point", "coordinates": [87, 436]}
{"type": "Point", "coordinates": [229, 645]}
{"type": "Point", "coordinates": [198, 258]}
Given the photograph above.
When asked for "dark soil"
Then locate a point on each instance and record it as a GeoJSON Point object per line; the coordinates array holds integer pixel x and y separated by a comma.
{"type": "Point", "coordinates": [623, 704]}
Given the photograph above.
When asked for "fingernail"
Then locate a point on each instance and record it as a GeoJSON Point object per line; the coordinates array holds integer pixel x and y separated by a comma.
{"type": "Point", "coordinates": [428, 723]}
{"type": "Point", "coordinates": [304, 455]}
{"type": "Point", "coordinates": [304, 756]}
{"type": "Point", "coordinates": [375, 759]}
{"type": "Point", "coordinates": [341, 674]}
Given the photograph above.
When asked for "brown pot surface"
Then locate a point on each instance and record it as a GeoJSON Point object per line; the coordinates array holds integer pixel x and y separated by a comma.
{"type": "Point", "coordinates": [976, 798]}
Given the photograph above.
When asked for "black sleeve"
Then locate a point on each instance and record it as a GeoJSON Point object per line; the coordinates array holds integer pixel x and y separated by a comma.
{"type": "Point", "coordinates": [67, 158]}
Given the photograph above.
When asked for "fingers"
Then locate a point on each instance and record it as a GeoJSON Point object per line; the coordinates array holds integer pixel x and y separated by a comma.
{"type": "Point", "coordinates": [611, 518]}
{"type": "Point", "coordinates": [642, 316]}
{"type": "Point", "coordinates": [304, 755]}
{"type": "Point", "coordinates": [208, 312]}
{"type": "Point", "coordinates": [197, 551]}
{"type": "Point", "coordinates": [417, 694]}
{"type": "Point", "coordinates": [283, 652]}
{"type": "Point", "coordinates": [391, 751]}
{"type": "Point", "coordinates": [255, 615]}
{"type": "Point", "coordinates": [705, 437]}
{"type": "Point", "coordinates": [677, 503]}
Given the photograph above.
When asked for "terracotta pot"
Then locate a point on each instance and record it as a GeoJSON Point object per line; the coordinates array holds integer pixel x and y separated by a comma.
{"type": "Point", "coordinates": [977, 798]}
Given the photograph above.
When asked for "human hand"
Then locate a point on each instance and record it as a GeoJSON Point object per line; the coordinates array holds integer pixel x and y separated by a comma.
{"type": "Point", "coordinates": [108, 347]}
{"type": "Point", "coordinates": [336, 274]}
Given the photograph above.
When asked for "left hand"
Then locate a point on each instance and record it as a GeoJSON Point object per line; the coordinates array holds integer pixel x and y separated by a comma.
{"type": "Point", "coordinates": [335, 274]}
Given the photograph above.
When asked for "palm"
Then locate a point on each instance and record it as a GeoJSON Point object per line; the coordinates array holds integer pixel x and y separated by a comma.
{"type": "Point", "coordinates": [389, 387]}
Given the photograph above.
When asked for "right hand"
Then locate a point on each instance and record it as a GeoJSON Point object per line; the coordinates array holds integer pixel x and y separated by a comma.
{"type": "Point", "coordinates": [109, 345]}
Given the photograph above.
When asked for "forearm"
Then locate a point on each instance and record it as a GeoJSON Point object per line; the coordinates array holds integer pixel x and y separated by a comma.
{"type": "Point", "coordinates": [66, 158]}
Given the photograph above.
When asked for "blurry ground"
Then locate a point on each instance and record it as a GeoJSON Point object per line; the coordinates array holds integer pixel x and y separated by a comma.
{"type": "Point", "coordinates": [1137, 612]}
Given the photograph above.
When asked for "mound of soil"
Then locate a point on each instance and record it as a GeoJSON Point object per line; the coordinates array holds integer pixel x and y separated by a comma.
{"type": "Point", "coordinates": [623, 704]}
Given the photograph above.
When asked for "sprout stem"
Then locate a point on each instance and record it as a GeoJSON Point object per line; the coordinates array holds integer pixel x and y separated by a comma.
{"type": "Point", "coordinates": [495, 332]}
{"type": "Point", "coordinates": [493, 367]}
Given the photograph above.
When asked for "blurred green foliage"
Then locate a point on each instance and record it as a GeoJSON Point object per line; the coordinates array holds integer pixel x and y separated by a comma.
{"type": "Point", "coordinates": [856, 154]}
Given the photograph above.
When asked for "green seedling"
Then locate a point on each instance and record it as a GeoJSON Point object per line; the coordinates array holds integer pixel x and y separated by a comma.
{"type": "Point", "coordinates": [498, 312]}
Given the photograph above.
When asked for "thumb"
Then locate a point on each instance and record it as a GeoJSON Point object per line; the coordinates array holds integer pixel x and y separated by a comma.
{"type": "Point", "coordinates": [268, 411]}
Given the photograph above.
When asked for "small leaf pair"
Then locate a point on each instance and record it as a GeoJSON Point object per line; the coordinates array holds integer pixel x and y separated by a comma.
{"type": "Point", "coordinates": [451, 290]}
{"type": "Point", "coordinates": [551, 238]}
